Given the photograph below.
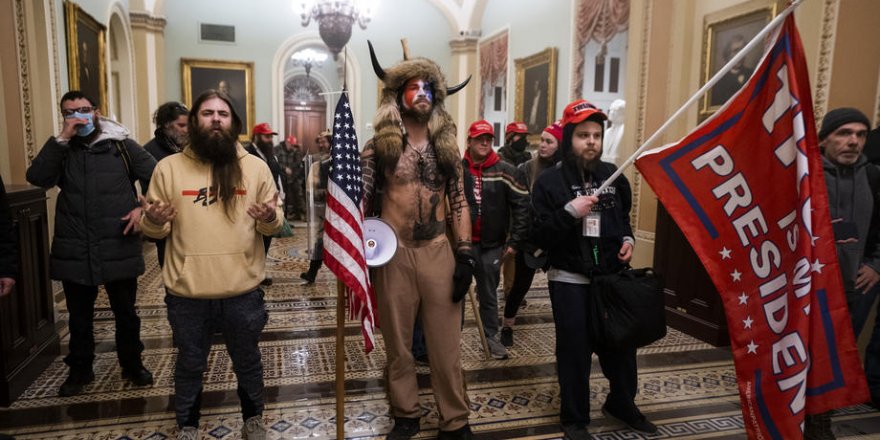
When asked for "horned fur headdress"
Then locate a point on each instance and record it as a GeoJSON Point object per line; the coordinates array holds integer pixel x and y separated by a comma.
{"type": "Point", "coordinates": [389, 137]}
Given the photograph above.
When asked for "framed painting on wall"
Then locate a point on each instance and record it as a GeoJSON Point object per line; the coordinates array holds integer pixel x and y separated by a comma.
{"type": "Point", "coordinates": [726, 33]}
{"type": "Point", "coordinates": [235, 78]}
{"type": "Point", "coordinates": [86, 67]}
{"type": "Point", "coordinates": [536, 90]}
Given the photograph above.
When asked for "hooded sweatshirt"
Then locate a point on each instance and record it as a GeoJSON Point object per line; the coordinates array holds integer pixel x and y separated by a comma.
{"type": "Point", "coordinates": [850, 200]}
{"type": "Point", "coordinates": [207, 255]}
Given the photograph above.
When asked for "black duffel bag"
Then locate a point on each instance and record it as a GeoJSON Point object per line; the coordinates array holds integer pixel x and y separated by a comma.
{"type": "Point", "coordinates": [627, 309]}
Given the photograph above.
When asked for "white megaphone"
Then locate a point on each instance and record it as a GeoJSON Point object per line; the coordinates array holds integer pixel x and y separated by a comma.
{"type": "Point", "coordinates": [380, 242]}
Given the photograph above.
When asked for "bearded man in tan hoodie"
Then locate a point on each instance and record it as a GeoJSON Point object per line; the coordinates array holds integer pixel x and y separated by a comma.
{"type": "Point", "coordinates": [214, 203]}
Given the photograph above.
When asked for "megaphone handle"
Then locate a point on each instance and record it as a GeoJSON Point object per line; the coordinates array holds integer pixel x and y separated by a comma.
{"type": "Point", "coordinates": [476, 308]}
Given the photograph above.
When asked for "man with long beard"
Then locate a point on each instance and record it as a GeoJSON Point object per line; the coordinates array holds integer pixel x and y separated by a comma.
{"type": "Point", "coordinates": [585, 234]}
{"type": "Point", "coordinates": [214, 203]}
{"type": "Point", "coordinates": [411, 169]}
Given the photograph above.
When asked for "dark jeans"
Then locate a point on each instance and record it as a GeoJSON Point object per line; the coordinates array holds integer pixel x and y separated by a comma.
{"type": "Point", "coordinates": [574, 349]}
{"type": "Point", "coordinates": [81, 306]}
{"type": "Point", "coordinates": [160, 252]}
{"type": "Point", "coordinates": [487, 274]}
{"type": "Point", "coordinates": [522, 281]}
{"type": "Point", "coordinates": [859, 309]}
{"type": "Point", "coordinates": [193, 321]}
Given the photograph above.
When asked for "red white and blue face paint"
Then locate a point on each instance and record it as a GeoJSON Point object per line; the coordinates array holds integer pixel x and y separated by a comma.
{"type": "Point", "coordinates": [417, 89]}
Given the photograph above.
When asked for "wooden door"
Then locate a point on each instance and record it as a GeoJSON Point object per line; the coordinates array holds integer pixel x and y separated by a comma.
{"type": "Point", "coordinates": [305, 121]}
{"type": "Point", "coordinates": [693, 306]}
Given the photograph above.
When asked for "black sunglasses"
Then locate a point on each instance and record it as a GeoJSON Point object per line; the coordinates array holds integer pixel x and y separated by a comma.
{"type": "Point", "coordinates": [71, 111]}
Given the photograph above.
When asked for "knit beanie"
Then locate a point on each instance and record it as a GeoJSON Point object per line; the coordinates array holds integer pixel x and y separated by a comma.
{"type": "Point", "coordinates": [841, 116]}
{"type": "Point", "coordinates": [555, 130]}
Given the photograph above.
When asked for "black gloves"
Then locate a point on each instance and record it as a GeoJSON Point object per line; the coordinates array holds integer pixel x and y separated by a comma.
{"type": "Point", "coordinates": [464, 273]}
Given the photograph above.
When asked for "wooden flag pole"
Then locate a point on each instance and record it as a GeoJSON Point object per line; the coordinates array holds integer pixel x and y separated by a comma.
{"type": "Point", "coordinates": [476, 308]}
{"type": "Point", "coordinates": [340, 360]}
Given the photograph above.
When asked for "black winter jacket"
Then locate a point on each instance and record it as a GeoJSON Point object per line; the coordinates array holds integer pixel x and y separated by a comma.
{"type": "Point", "coordinates": [561, 234]}
{"type": "Point", "coordinates": [88, 246]}
{"type": "Point", "coordinates": [503, 203]}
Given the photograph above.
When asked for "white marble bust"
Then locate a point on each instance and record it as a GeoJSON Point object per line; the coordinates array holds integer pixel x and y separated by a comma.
{"type": "Point", "coordinates": [614, 133]}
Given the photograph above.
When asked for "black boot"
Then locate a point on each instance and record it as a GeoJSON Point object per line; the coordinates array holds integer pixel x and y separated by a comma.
{"type": "Point", "coordinates": [404, 428]}
{"type": "Point", "coordinates": [75, 382]}
{"type": "Point", "coordinates": [309, 277]}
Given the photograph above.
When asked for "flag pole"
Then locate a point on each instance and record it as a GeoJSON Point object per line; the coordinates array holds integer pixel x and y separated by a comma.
{"type": "Point", "coordinates": [717, 77]}
{"type": "Point", "coordinates": [340, 360]}
{"type": "Point", "coordinates": [340, 329]}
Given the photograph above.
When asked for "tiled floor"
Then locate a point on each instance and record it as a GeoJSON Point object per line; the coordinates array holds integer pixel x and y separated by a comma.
{"type": "Point", "coordinates": [686, 386]}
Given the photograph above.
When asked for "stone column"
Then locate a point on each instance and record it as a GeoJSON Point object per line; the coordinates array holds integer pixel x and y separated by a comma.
{"type": "Point", "coordinates": [148, 35]}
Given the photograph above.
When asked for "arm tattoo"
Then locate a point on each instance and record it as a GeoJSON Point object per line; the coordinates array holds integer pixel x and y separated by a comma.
{"type": "Point", "coordinates": [460, 214]}
{"type": "Point", "coordinates": [368, 169]}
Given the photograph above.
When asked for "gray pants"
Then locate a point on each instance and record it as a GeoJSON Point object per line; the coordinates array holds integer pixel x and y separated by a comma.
{"type": "Point", "coordinates": [193, 322]}
{"type": "Point", "coordinates": [487, 273]}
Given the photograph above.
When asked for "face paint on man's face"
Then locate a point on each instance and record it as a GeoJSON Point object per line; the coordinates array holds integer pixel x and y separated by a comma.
{"type": "Point", "coordinates": [415, 90]}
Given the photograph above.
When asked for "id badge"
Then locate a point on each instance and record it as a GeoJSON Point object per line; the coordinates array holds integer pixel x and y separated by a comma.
{"type": "Point", "coordinates": [592, 224]}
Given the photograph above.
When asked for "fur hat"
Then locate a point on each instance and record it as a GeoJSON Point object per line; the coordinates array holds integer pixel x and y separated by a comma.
{"type": "Point", "coordinates": [388, 124]}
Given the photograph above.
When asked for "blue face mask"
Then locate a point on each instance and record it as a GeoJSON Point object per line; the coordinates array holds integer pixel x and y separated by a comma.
{"type": "Point", "coordinates": [87, 128]}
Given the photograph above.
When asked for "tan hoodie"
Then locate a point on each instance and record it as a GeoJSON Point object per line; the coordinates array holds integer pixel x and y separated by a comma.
{"type": "Point", "coordinates": [206, 254]}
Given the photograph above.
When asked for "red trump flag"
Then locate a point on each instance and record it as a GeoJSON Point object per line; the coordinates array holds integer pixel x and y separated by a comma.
{"type": "Point", "coordinates": [748, 191]}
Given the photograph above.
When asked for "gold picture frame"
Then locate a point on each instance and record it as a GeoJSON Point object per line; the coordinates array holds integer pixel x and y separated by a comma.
{"type": "Point", "coordinates": [86, 66]}
{"type": "Point", "coordinates": [236, 78]}
{"type": "Point", "coordinates": [724, 33]}
{"type": "Point", "coordinates": [536, 90]}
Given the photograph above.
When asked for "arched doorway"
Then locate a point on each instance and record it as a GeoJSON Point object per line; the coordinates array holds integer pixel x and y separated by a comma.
{"type": "Point", "coordinates": [305, 109]}
{"type": "Point", "coordinates": [121, 94]}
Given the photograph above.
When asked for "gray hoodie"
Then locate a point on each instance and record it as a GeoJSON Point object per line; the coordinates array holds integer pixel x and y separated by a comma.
{"type": "Point", "coordinates": [850, 199]}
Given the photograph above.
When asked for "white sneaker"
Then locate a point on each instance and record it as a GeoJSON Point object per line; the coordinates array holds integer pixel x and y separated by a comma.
{"type": "Point", "coordinates": [188, 433]}
{"type": "Point", "coordinates": [254, 429]}
{"type": "Point", "coordinates": [497, 349]}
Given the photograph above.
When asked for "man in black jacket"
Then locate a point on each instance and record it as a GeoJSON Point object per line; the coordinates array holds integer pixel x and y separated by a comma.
{"type": "Point", "coordinates": [169, 138]}
{"type": "Point", "coordinates": [585, 234]}
{"type": "Point", "coordinates": [498, 201]}
{"type": "Point", "coordinates": [97, 234]}
{"type": "Point", "coordinates": [261, 146]}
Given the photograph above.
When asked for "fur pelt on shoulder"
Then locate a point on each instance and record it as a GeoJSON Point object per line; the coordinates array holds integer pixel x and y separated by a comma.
{"type": "Point", "coordinates": [390, 137]}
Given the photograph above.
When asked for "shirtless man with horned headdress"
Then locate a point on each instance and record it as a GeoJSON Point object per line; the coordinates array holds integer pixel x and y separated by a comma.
{"type": "Point", "coordinates": [413, 181]}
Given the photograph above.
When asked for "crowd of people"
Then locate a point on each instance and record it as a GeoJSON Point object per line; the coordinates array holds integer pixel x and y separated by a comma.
{"type": "Point", "coordinates": [212, 205]}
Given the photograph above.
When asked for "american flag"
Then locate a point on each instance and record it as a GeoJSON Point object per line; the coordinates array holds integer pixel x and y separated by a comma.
{"type": "Point", "coordinates": [343, 222]}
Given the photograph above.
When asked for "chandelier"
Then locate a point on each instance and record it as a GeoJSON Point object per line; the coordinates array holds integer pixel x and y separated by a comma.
{"type": "Point", "coordinates": [335, 19]}
{"type": "Point", "coordinates": [308, 58]}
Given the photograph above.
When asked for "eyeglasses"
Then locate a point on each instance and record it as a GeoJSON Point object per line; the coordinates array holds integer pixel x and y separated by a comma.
{"type": "Point", "coordinates": [71, 111]}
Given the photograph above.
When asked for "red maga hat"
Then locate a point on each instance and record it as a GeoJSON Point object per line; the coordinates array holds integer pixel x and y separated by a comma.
{"type": "Point", "coordinates": [580, 110]}
{"type": "Point", "coordinates": [517, 127]}
{"type": "Point", "coordinates": [479, 128]}
{"type": "Point", "coordinates": [263, 128]}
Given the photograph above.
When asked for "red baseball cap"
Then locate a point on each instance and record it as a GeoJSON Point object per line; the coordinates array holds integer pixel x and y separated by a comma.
{"type": "Point", "coordinates": [291, 140]}
{"type": "Point", "coordinates": [480, 128]}
{"type": "Point", "coordinates": [580, 110]}
{"type": "Point", "coordinates": [517, 127]}
{"type": "Point", "coordinates": [263, 128]}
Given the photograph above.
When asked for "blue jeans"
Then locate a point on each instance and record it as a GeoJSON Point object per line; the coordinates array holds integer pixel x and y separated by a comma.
{"type": "Point", "coordinates": [193, 321]}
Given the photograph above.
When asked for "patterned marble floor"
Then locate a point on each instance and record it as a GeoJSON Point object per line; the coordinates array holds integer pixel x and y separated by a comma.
{"type": "Point", "coordinates": [686, 386]}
